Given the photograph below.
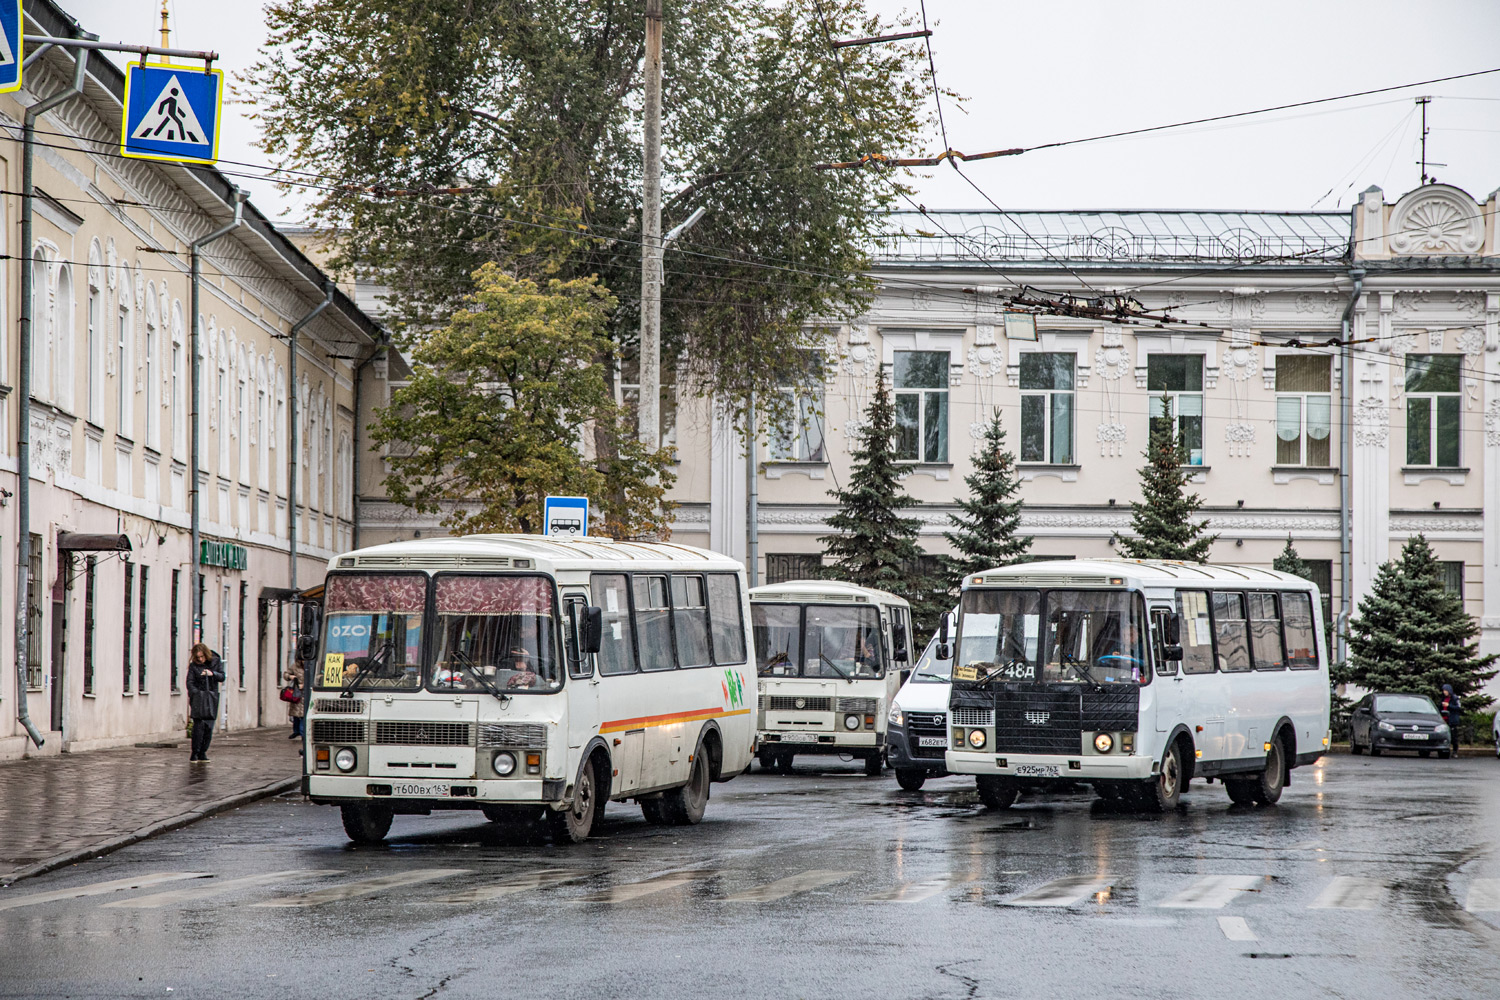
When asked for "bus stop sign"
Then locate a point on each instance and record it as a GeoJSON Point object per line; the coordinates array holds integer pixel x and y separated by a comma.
{"type": "Point", "coordinates": [172, 113]}
{"type": "Point", "coordinates": [11, 20]}
{"type": "Point", "coordinates": [566, 517]}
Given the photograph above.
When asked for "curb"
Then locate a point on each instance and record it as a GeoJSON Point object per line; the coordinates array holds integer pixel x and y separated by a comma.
{"type": "Point", "coordinates": [150, 830]}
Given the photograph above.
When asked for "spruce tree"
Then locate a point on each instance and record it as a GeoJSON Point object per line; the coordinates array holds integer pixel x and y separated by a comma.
{"type": "Point", "coordinates": [1412, 634]}
{"type": "Point", "coordinates": [1163, 519]}
{"type": "Point", "coordinates": [1291, 562]}
{"type": "Point", "coordinates": [872, 544]}
{"type": "Point", "coordinates": [985, 529]}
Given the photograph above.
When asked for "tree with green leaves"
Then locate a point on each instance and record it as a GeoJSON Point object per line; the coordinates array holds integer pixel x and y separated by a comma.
{"type": "Point", "coordinates": [450, 133]}
{"type": "Point", "coordinates": [491, 421]}
{"type": "Point", "coordinates": [1412, 634]}
{"type": "Point", "coordinates": [872, 544]}
{"type": "Point", "coordinates": [1289, 561]}
{"type": "Point", "coordinates": [1163, 518]}
{"type": "Point", "coordinates": [985, 529]}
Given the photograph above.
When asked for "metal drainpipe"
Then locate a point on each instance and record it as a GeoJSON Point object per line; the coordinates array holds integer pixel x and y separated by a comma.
{"type": "Point", "coordinates": [291, 500]}
{"type": "Point", "coordinates": [23, 387]}
{"type": "Point", "coordinates": [380, 348]}
{"type": "Point", "coordinates": [1346, 455]}
{"type": "Point", "coordinates": [194, 493]}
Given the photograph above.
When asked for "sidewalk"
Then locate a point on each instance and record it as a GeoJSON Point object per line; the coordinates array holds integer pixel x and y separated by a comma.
{"type": "Point", "coordinates": [56, 810]}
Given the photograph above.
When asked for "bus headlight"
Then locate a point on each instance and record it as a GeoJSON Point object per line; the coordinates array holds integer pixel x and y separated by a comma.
{"type": "Point", "coordinates": [897, 717]}
{"type": "Point", "coordinates": [345, 759]}
{"type": "Point", "coordinates": [851, 722]}
{"type": "Point", "coordinates": [976, 739]}
{"type": "Point", "coordinates": [1104, 743]}
{"type": "Point", "coordinates": [504, 763]}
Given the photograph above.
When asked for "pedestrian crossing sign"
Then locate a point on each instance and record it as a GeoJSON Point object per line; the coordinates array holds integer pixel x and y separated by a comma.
{"type": "Point", "coordinates": [172, 113]}
{"type": "Point", "coordinates": [11, 20]}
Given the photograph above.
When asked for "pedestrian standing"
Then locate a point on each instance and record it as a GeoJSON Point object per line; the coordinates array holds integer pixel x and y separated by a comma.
{"type": "Point", "coordinates": [1452, 709]}
{"type": "Point", "coordinates": [204, 675]}
{"type": "Point", "coordinates": [296, 707]}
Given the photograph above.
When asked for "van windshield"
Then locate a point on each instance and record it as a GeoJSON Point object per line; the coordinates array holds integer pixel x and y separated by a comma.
{"type": "Point", "coordinates": [373, 631]}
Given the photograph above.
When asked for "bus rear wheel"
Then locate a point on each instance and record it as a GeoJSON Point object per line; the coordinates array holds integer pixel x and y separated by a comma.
{"type": "Point", "coordinates": [1241, 790]}
{"type": "Point", "coordinates": [1267, 787]}
{"type": "Point", "coordinates": [685, 806]}
{"type": "Point", "coordinates": [996, 793]}
{"type": "Point", "coordinates": [573, 824]}
{"type": "Point", "coordinates": [911, 778]}
{"type": "Point", "coordinates": [366, 822]}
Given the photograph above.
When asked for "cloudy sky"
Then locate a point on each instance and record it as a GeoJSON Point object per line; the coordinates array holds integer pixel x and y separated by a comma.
{"type": "Point", "coordinates": [1044, 72]}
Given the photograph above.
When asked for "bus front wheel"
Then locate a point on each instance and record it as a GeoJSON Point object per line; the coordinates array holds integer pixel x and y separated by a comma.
{"type": "Point", "coordinates": [874, 765]}
{"type": "Point", "coordinates": [366, 822]}
{"type": "Point", "coordinates": [1163, 791]}
{"type": "Point", "coordinates": [996, 793]}
{"type": "Point", "coordinates": [573, 824]}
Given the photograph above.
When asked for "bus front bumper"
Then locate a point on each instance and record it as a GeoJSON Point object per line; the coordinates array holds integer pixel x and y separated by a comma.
{"type": "Point", "coordinates": [805, 742]}
{"type": "Point", "coordinates": [1083, 767]}
{"type": "Point", "coordinates": [458, 793]}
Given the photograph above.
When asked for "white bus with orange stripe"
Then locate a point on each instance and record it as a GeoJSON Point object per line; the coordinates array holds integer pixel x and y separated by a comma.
{"type": "Point", "coordinates": [528, 678]}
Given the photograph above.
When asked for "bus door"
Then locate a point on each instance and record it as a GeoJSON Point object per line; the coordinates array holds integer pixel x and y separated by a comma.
{"type": "Point", "coordinates": [583, 678]}
{"type": "Point", "coordinates": [1167, 693]}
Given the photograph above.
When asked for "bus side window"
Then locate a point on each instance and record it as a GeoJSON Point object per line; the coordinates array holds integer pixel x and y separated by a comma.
{"type": "Point", "coordinates": [617, 645]}
{"type": "Point", "coordinates": [653, 623]}
{"type": "Point", "coordinates": [1265, 632]}
{"type": "Point", "coordinates": [1297, 622]}
{"type": "Point", "coordinates": [1232, 630]}
{"type": "Point", "coordinates": [579, 665]}
{"type": "Point", "coordinates": [1197, 632]}
{"type": "Point", "coordinates": [690, 620]}
{"type": "Point", "coordinates": [727, 618]}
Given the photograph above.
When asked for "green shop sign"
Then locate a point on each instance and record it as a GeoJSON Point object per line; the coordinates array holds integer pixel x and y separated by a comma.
{"type": "Point", "coordinates": [225, 554]}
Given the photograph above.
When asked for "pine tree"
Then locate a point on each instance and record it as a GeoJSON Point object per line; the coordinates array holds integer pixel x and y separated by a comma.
{"type": "Point", "coordinates": [872, 544]}
{"type": "Point", "coordinates": [1290, 562]}
{"type": "Point", "coordinates": [1412, 633]}
{"type": "Point", "coordinates": [1163, 519]}
{"type": "Point", "coordinates": [985, 531]}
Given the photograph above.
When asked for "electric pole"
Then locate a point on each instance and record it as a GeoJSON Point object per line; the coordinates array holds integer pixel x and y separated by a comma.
{"type": "Point", "coordinates": [651, 246]}
{"type": "Point", "coordinates": [1423, 102]}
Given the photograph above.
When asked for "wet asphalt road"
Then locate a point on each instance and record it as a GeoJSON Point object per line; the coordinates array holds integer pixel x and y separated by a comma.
{"type": "Point", "coordinates": [1373, 878]}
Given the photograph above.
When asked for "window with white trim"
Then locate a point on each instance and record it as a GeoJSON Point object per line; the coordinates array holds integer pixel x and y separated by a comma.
{"type": "Point", "coordinates": [798, 435]}
{"type": "Point", "coordinates": [1433, 408]}
{"type": "Point", "coordinates": [122, 371]}
{"type": "Point", "coordinates": [1178, 378]}
{"type": "Point", "coordinates": [1047, 408]}
{"type": "Point", "coordinates": [1304, 409]}
{"type": "Point", "coordinates": [921, 398]}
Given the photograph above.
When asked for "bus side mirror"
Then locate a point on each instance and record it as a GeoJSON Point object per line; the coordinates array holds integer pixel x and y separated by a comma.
{"type": "Point", "coordinates": [943, 652]}
{"type": "Point", "coordinates": [1174, 632]}
{"type": "Point", "coordinates": [307, 647]}
{"type": "Point", "coordinates": [900, 655]}
{"type": "Point", "coordinates": [593, 630]}
{"type": "Point", "coordinates": [311, 613]}
{"type": "Point", "coordinates": [1172, 653]}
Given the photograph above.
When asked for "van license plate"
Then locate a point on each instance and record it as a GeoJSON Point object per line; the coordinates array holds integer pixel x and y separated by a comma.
{"type": "Point", "coordinates": [932, 741]}
{"type": "Point", "coordinates": [1413, 736]}
{"type": "Point", "coordinates": [419, 788]}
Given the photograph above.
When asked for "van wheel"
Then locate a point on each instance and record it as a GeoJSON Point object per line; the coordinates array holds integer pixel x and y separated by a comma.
{"type": "Point", "coordinates": [1272, 780]}
{"type": "Point", "coordinates": [1162, 793]}
{"type": "Point", "coordinates": [573, 824]}
{"type": "Point", "coordinates": [684, 806]}
{"type": "Point", "coordinates": [996, 793]}
{"type": "Point", "coordinates": [1241, 790]}
{"type": "Point", "coordinates": [911, 778]}
{"type": "Point", "coordinates": [874, 765]}
{"type": "Point", "coordinates": [366, 822]}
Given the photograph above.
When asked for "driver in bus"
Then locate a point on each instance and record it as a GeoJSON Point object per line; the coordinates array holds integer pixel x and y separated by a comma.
{"type": "Point", "coordinates": [524, 664]}
{"type": "Point", "coordinates": [1128, 652]}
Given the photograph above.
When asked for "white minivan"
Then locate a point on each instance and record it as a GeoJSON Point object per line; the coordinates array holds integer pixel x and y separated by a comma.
{"type": "Point", "coordinates": [917, 728]}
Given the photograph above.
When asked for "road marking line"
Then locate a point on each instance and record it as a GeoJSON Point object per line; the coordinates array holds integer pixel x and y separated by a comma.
{"type": "Point", "coordinates": [1349, 892]}
{"type": "Point", "coordinates": [1062, 891]}
{"type": "Point", "coordinates": [635, 890]}
{"type": "Point", "coordinates": [915, 892]}
{"type": "Point", "coordinates": [174, 897]}
{"type": "Point", "coordinates": [364, 887]}
{"type": "Point", "coordinates": [1484, 895]}
{"type": "Point", "coordinates": [99, 888]}
{"type": "Point", "coordinates": [1212, 893]}
{"type": "Point", "coordinates": [1236, 929]}
{"type": "Point", "coordinates": [521, 883]}
{"type": "Point", "coordinates": [782, 887]}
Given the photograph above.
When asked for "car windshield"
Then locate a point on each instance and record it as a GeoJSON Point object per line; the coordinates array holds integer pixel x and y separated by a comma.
{"type": "Point", "coordinates": [495, 633]}
{"type": "Point", "coordinates": [372, 631]}
{"type": "Point", "coordinates": [1415, 704]}
{"type": "Point", "coordinates": [1090, 637]}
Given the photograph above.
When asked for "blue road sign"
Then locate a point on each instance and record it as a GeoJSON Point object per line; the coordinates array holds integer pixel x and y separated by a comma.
{"type": "Point", "coordinates": [172, 113]}
{"type": "Point", "coordinates": [566, 517]}
{"type": "Point", "coordinates": [11, 20]}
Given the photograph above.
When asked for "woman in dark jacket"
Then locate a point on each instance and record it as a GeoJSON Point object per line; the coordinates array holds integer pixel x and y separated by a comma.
{"type": "Point", "coordinates": [1452, 709]}
{"type": "Point", "coordinates": [204, 675]}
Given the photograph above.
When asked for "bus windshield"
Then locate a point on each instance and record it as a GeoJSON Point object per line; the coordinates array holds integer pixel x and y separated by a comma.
{"type": "Point", "coordinates": [1091, 637]}
{"type": "Point", "coordinates": [373, 631]}
{"type": "Point", "coordinates": [495, 633]}
{"type": "Point", "coordinates": [816, 640]}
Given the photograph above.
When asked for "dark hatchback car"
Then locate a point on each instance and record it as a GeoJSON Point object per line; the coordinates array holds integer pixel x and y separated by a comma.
{"type": "Point", "coordinates": [1391, 721]}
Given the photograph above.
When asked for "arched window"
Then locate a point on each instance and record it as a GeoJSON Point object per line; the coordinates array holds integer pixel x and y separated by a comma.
{"type": "Point", "coordinates": [262, 437]}
{"type": "Point", "coordinates": [221, 403]}
{"type": "Point", "coordinates": [345, 477]}
{"type": "Point", "coordinates": [242, 411]}
{"type": "Point", "coordinates": [124, 325]}
{"type": "Point", "coordinates": [94, 337]}
{"type": "Point", "coordinates": [279, 430]}
{"type": "Point", "coordinates": [179, 377]}
{"type": "Point", "coordinates": [41, 326]}
{"type": "Point", "coordinates": [62, 339]}
{"type": "Point", "coordinates": [153, 391]}
{"type": "Point", "coordinates": [325, 481]}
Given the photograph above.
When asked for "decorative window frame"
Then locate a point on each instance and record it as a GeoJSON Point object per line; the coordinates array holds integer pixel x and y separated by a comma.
{"type": "Point", "coordinates": [1074, 342]}
{"type": "Point", "coordinates": [1206, 344]}
{"type": "Point", "coordinates": [1268, 362]}
{"type": "Point", "coordinates": [907, 339]}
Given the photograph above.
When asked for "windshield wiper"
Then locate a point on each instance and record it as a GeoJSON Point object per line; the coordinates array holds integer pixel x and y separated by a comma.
{"type": "Point", "coordinates": [1081, 670]}
{"type": "Point", "coordinates": [369, 671]}
{"type": "Point", "coordinates": [837, 669]}
{"type": "Point", "coordinates": [466, 661]}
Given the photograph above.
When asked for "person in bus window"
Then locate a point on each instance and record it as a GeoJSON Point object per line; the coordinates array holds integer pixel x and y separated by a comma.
{"type": "Point", "coordinates": [1127, 654]}
{"type": "Point", "coordinates": [524, 666]}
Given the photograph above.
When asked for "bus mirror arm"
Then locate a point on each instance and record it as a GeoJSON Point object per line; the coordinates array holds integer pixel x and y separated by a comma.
{"type": "Point", "coordinates": [593, 629]}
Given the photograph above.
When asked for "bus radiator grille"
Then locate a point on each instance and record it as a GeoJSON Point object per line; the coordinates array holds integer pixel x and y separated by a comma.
{"type": "Point", "coordinates": [424, 734]}
{"type": "Point", "coordinates": [338, 731]}
{"type": "Point", "coordinates": [860, 706]}
{"type": "Point", "coordinates": [1038, 722]}
{"type": "Point", "coordinates": [963, 715]}
{"type": "Point", "coordinates": [510, 734]}
{"type": "Point", "coordinates": [798, 703]}
{"type": "Point", "coordinates": [339, 706]}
